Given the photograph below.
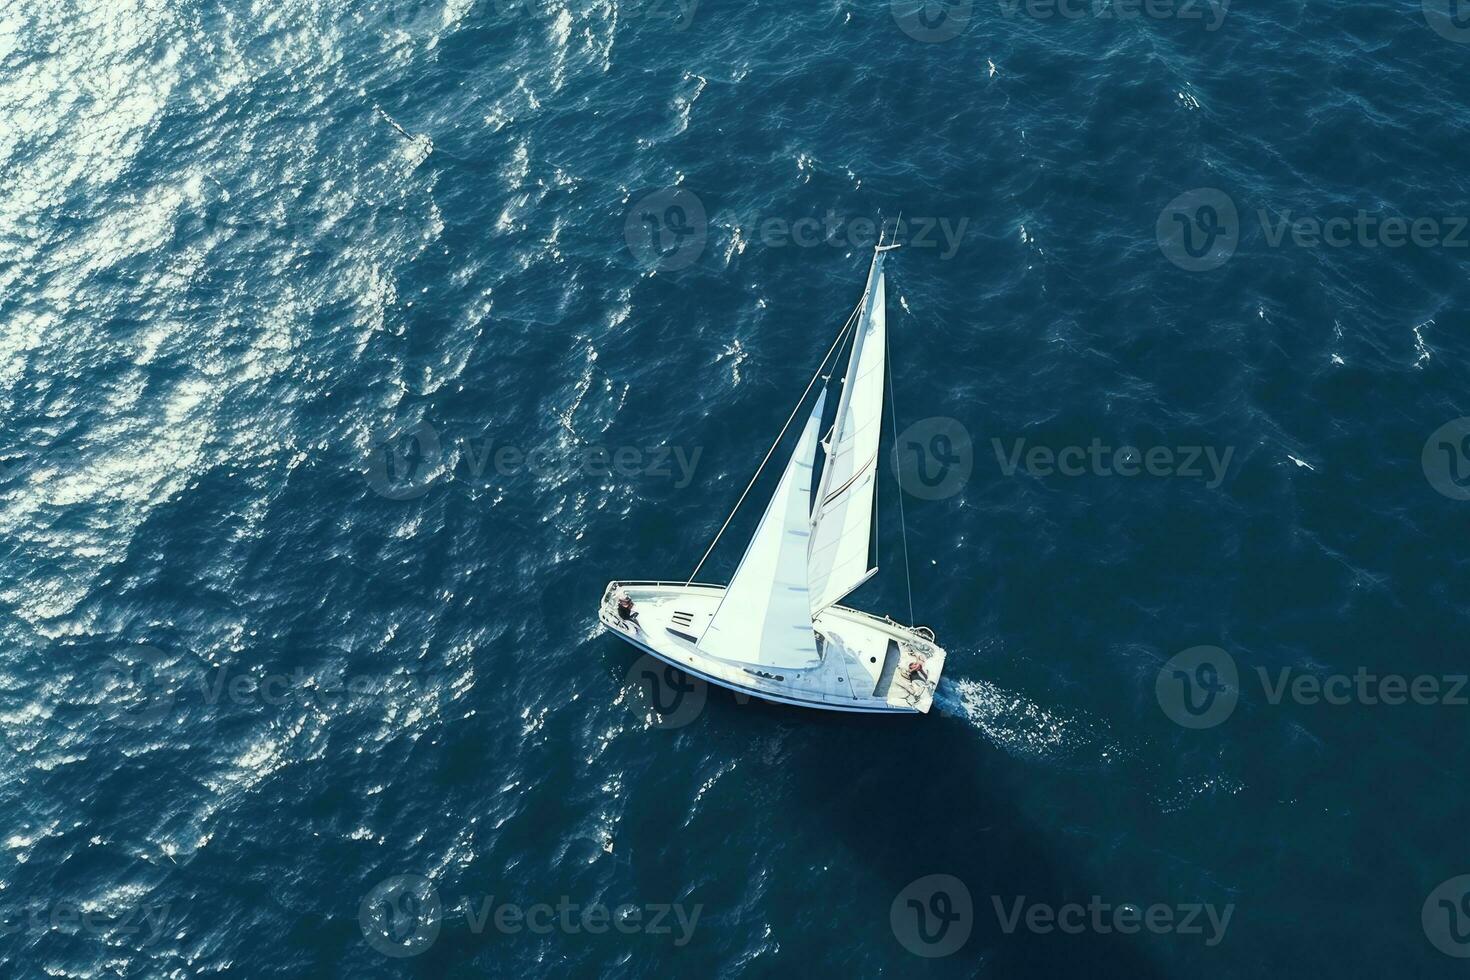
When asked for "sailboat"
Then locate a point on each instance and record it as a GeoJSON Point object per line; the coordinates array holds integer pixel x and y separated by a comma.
{"type": "Point", "coordinates": [777, 631]}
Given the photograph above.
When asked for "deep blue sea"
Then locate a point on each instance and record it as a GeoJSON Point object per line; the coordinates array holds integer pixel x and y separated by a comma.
{"type": "Point", "coordinates": [349, 347]}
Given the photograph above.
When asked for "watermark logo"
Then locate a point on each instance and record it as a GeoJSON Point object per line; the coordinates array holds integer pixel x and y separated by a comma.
{"type": "Point", "coordinates": [403, 461]}
{"type": "Point", "coordinates": [1198, 688]}
{"type": "Point", "coordinates": [406, 462]}
{"type": "Point", "coordinates": [834, 230]}
{"type": "Point", "coordinates": [1104, 918]}
{"type": "Point", "coordinates": [1446, 459]}
{"type": "Point", "coordinates": [667, 229]}
{"type": "Point", "coordinates": [933, 916]}
{"type": "Point", "coordinates": [1096, 459]}
{"type": "Point", "coordinates": [1211, 13]}
{"type": "Point", "coordinates": [671, 698]}
{"type": "Point", "coordinates": [573, 918]}
{"type": "Point", "coordinates": [1449, 19]}
{"type": "Point", "coordinates": [145, 923]}
{"type": "Point", "coordinates": [138, 679]}
{"type": "Point", "coordinates": [148, 687]}
{"type": "Point", "coordinates": [933, 458]}
{"type": "Point", "coordinates": [932, 21]}
{"type": "Point", "coordinates": [1199, 230]}
{"type": "Point", "coordinates": [302, 225]}
{"type": "Point", "coordinates": [1446, 917]}
{"type": "Point", "coordinates": [415, 18]}
{"type": "Point", "coordinates": [401, 916]}
{"type": "Point", "coordinates": [677, 15]}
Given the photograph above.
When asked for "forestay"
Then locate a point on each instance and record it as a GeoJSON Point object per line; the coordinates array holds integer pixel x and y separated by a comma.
{"type": "Point", "coordinates": [765, 616]}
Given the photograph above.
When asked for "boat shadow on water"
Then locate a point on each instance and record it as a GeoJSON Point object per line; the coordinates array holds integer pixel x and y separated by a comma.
{"type": "Point", "coordinates": [952, 811]}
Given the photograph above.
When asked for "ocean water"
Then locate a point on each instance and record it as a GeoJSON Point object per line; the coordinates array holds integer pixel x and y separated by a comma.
{"type": "Point", "coordinates": [348, 348]}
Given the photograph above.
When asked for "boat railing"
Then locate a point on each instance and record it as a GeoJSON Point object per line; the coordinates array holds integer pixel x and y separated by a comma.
{"type": "Point", "coordinates": [692, 585]}
{"type": "Point", "coordinates": [613, 587]}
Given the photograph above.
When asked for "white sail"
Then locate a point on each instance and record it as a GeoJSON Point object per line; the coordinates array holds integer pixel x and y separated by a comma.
{"type": "Point", "coordinates": [765, 616]}
{"type": "Point", "coordinates": [843, 519]}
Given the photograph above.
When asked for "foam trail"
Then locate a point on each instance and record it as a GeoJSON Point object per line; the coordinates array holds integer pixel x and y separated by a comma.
{"type": "Point", "coordinates": [1025, 729]}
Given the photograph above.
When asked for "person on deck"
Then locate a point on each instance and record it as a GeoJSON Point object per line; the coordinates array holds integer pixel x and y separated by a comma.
{"type": "Point", "coordinates": [625, 608]}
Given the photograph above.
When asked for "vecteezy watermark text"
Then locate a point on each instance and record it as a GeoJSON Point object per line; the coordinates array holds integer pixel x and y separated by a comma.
{"type": "Point", "coordinates": [669, 229]}
{"type": "Point", "coordinates": [1363, 687]}
{"type": "Point", "coordinates": [1103, 918]}
{"type": "Point", "coordinates": [570, 918]}
{"type": "Point", "coordinates": [403, 462]}
{"type": "Point", "coordinates": [934, 458]}
{"type": "Point", "coordinates": [934, 915]}
{"type": "Point", "coordinates": [1211, 13]}
{"type": "Point", "coordinates": [224, 686]}
{"type": "Point", "coordinates": [420, 19]}
{"type": "Point", "coordinates": [1201, 230]}
{"type": "Point", "coordinates": [148, 686]}
{"type": "Point", "coordinates": [1365, 230]}
{"type": "Point", "coordinates": [1201, 687]}
{"type": "Point", "coordinates": [676, 15]}
{"type": "Point", "coordinates": [37, 917]}
{"type": "Point", "coordinates": [403, 915]}
{"type": "Point", "coordinates": [1097, 459]}
{"type": "Point", "coordinates": [303, 225]}
{"type": "Point", "coordinates": [933, 21]}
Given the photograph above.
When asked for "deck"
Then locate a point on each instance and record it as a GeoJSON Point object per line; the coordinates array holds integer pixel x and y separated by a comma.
{"type": "Point", "coordinates": [864, 658]}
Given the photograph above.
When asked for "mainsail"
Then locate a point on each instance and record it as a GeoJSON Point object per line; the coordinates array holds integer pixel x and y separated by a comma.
{"type": "Point", "coordinates": [765, 616]}
{"type": "Point", "coordinates": [843, 518]}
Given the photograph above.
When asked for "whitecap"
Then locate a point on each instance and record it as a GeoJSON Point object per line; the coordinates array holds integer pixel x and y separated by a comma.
{"type": "Point", "coordinates": [1420, 347]}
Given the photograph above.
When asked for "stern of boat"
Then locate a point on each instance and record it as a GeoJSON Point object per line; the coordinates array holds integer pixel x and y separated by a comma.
{"type": "Point", "coordinates": [904, 663]}
{"type": "Point", "coordinates": [917, 690]}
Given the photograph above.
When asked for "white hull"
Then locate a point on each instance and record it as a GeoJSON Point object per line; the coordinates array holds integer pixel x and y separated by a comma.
{"type": "Point", "coordinates": [864, 659]}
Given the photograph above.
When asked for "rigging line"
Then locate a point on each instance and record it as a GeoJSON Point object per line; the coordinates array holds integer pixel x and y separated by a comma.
{"type": "Point", "coordinates": [845, 328]}
{"type": "Point", "coordinates": [873, 533]}
{"type": "Point", "coordinates": [898, 474]}
{"type": "Point", "coordinates": [844, 348]}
